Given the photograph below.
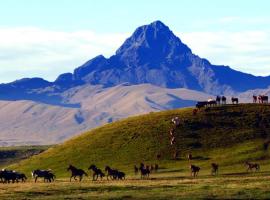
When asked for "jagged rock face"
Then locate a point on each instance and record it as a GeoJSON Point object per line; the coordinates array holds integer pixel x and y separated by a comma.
{"type": "Point", "coordinates": [153, 54]}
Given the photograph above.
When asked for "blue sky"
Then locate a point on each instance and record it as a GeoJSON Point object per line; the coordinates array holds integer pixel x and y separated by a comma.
{"type": "Point", "coordinates": [47, 37]}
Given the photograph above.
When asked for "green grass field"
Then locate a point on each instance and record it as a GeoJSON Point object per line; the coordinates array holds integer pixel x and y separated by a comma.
{"type": "Point", "coordinates": [227, 135]}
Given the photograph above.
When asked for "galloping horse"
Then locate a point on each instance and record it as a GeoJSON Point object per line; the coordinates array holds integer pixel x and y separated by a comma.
{"type": "Point", "coordinates": [97, 172]}
{"type": "Point", "coordinates": [46, 174]}
{"type": "Point", "coordinates": [76, 172]}
{"type": "Point", "coordinates": [194, 170]}
{"type": "Point", "coordinates": [251, 166]}
{"type": "Point", "coordinates": [114, 174]}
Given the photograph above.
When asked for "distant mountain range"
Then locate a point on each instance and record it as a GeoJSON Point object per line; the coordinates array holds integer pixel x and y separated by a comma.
{"type": "Point", "coordinates": [153, 58]}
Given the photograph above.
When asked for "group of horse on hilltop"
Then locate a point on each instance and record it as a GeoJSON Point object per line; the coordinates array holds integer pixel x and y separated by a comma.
{"type": "Point", "coordinates": [222, 100]}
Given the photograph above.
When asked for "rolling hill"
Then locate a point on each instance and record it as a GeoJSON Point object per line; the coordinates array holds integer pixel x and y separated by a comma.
{"type": "Point", "coordinates": [34, 123]}
{"type": "Point", "coordinates": [152, 70]}
{"type": "Point", "coordinates": [229, 135]}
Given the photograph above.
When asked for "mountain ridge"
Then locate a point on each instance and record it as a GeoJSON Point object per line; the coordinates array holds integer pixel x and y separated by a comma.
{"type": "Point", "coordinates": [151, 51]}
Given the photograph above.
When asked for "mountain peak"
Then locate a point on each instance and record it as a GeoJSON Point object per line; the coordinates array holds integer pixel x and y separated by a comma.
{"type": "Point", "coordinates": [154, 41]}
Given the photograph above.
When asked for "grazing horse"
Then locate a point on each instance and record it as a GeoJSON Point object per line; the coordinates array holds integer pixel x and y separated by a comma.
{"type": "Point", "coordinates": [255, 98]}
{"type": "Point", "coordinates": [46, 174]}
{"type": "Point", "coordinates": [263, 99]}
{"type": "Point", "coordinates": [251, 166]}
{"type": "Point", "coordinates": [223, 100]}
{"type": "Point", "coordinates": [214, 170]}
{"type": "Point", "coordinates": [144, 171]}
{"type": "Point", "coordinates": [194, 170]}
{"type": "Point", "coordinates": [76, 172]}
{"type": "Point", "coordinates": [97, 172]}
{"type": "Point", "coordinates": [234, 100]}
{"type": "Point", "coordinates": [218, 99]}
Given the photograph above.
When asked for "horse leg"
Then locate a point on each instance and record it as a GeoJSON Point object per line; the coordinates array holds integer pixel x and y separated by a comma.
{"type": "Point", "coordinates": [36, 179]}
{"type": "Point", "coordinates": [80, 178]}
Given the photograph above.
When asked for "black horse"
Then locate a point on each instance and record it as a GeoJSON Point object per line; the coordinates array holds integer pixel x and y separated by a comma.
{"type": "Point", "coordinates": [97, 172]}
{"type": "Point", "coordinates": [21, 177]}
{"type": "Point", "coordinates": [223, 100]}
{"type": "Point", "coordinates": [114, 174]}
{"type": "Point", "coordinates": [145, 171]}
{"type": "Point", "coordinates": [8, 176]}
{"type": "Point", "coordinates": [46, 174]}
{"type": "Point", "coordinates": [76, 172]}
{"type": "Point", "coordinates": [218, 99]}
{"type": "Point", "coordinates": [234, 100]}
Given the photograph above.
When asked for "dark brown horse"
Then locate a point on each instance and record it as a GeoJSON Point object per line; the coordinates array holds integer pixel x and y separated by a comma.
{"type": "Point", "coordinates": [218, 99]}
{"type": "Point", "coordinates": [251, 166]}
{"type": "Point", "coordinates": [255, 98]}
{"type": "Point", "coordinates": [189, 156]}
{"type": "Point", "coordinates": [235, 100]}
{"type": "Point", "coordinates": [76, 172]}
{"type": "Point", "coordinates": [144, 171]}
{"type": "Point", "coordinates": [136, 170]}
{"type": "Point", "coordinates": [114, 174]}
{"type": "Point", "coordinates": [194, 170]}
{"type": "Point", "coordinates": [214, 170]}
{"type": "Point", "coordinates": [223, 100]}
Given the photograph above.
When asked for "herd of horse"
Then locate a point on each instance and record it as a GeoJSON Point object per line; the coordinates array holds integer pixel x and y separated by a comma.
{"type": "Point", "coordinates": [9, 176]}
{"type": "Point", "coordinates": [222, 100]}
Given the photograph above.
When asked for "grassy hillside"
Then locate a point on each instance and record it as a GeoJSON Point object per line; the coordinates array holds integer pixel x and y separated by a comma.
{"type": "Point", "coordinates": [228, 135]}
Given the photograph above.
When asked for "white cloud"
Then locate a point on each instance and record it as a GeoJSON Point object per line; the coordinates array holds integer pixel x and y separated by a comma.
{"type": "Point", "coordinates": [29, 52]}
{"type": "Point", "coordinates": [247, 51]}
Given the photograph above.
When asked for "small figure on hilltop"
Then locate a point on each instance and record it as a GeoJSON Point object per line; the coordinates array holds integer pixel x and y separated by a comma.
{"type": "Point", "coordinates": [255, 98]}
{"type": "Point", "coordinates": [235, 100]}
{"type": "Point", "coordinates": [223, 100]}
